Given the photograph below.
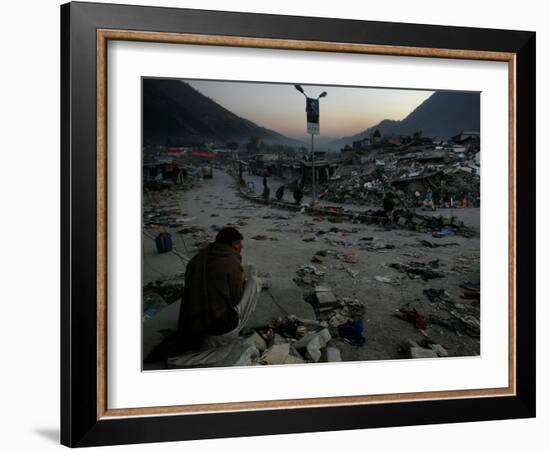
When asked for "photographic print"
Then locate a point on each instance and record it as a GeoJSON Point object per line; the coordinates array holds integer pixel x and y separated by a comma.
{"type": "Point", "coordinates": [297, 198]}
{"type": "Point", "coordinates": [299, 224]}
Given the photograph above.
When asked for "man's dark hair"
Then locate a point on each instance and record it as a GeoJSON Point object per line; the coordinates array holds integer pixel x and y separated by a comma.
{"type": "Point", "coordinates": [227, 235]}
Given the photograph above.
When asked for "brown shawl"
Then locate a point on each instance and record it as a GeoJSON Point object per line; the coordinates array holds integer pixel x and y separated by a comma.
{"type": "Point", "coordinates": [213, 287]}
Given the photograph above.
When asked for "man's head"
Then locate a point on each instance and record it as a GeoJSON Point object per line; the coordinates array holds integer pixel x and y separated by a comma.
{"type": "Point", "coordinates": [231, 237]}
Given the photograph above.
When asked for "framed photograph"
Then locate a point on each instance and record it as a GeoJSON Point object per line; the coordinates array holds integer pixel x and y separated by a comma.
{"type": "Point", "coordinates": [278, 224]}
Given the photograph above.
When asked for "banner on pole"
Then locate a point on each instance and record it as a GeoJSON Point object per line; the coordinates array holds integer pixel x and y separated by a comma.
{"type": "Point", "coordinates": [312, 128]}
{"type": "Point", "coordinates": [312, 111]}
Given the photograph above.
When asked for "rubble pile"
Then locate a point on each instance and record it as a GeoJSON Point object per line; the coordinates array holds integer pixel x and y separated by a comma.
{"type": "Point", "coordinates": [439, 226]}
{"type": "Point", "coordinates": [342, 317]}
{"type": "Point", "coordinates": [407, 171]}
{"type": "Point", "coordinates": [308, 275]}
{"type": "Point", "coordinates": [292, 340]}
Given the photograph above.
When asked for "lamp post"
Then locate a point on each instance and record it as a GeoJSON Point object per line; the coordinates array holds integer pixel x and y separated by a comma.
{"type": "Point", "coordinates": [312, 110]}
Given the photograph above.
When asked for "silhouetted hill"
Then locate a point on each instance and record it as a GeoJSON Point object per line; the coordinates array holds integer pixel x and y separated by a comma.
{"type": "Point", "coordinates": [175, 114]}
{"type": "Point", "coordinates": [441, 116]}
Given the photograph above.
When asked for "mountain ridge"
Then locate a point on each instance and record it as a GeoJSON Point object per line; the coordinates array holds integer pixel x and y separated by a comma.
{"type": "Point", "coordinates": [442, 115]}
{"type": "Point", "coordinates": [176, 114]}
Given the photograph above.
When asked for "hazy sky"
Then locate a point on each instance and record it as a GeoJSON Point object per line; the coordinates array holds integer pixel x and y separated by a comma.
{"type": "Point", "coordinates": [343, 112]}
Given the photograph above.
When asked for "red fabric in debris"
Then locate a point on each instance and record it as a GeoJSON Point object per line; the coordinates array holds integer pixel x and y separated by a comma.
{"type": "Point", "coordinates": [412, 315]}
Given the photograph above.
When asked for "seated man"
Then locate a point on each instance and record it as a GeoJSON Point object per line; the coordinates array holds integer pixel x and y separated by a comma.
{"type": "Point", "coordinates": [218, 296]}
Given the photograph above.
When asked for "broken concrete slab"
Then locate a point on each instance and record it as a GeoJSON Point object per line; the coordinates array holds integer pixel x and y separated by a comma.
{"type": "Point", "coordinates": [419, 352]}
{"type": "Point", "coordinates": [283, 298]}
{"type": "Point", "coordinates": [278, 339]}
{"type": "Point", "coordinates": [314, 343]}
{"type": "Point", "coordinates": [291, 359]}
{"type": "Point", "coordinates": [325, 296]}
{"type": "Point", "coordinates": [256, 340]}
{"type": "Point", "coordinates": [333, 354]}
{"type": "Point", "coordinates": [439, 349]}
{"type": "Point", "coordinates": [337, 320]}
{"type": "Point", "coordinates": [276, 354]}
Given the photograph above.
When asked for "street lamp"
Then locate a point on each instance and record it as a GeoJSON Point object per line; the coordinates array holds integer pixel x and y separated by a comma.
{"type": "Point", "coordinates": [312, 132]}
{"type": "Point", "coordinates": [299, 88]}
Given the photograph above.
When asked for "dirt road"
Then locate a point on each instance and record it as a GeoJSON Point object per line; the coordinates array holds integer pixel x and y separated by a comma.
{"type": "Point", "coordinates": [279, 242]}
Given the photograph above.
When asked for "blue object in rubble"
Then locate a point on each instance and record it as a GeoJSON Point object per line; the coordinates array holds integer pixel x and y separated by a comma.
{"type": "Point", "coordinates": [353, 332]}
{"type": "Point", "coordinates": [444, 232]}
{"type": "Point", "coordinates": [164, 242]}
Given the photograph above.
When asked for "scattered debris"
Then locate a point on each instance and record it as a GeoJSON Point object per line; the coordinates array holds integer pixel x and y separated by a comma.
{"type": "Point", "coordinates": [413, 316]}
{"type": "Point", "coordinates": [325, 297]}
{"type": "Point", "coordinates": [471, 291]}
{"type": "Point", "coordinates": [317, 259]}
{"type": "Point", "coordinates": [352, 332]}
{"type": "Point", "coordinates": [444, 232]}
{"type": "Point", "coordinates": [435, 295]}
{"type": "Point", "coordinates": [259, 342]}
{"type": "Point", "coordinates": [425, 349]}
{"type": "Point", "coordinates": [338, 319]}
{"type": "Point", "coordinates": [419, 352]}
{"type": "Point", "coordinates": [332, 354]}
{"type": "Point", "coordinates": [429, 244]}
{"type": "Point", "coordinates": [350, 258]}
{"type": "Point", "coordinates": [276, 354]}
{"type": "Point", "coordinates": [352, 273]}
{"type": "Point", "coordinates": [439, 350]}
{"type": "Point", "coordinates": [152, 304]}
{"type": "Point", "coordinates": [469, 286]}
{"type": "Point", "coordinates": [338, 242]}
{"type": "Point", "coordinates": [416, 269]}
{"type": "Point", "coordinates": [313, 343]}
{"type": "Point", "coordinates": [459, 323]}
{"type": "Point", "coordinates": [376, 245]}
{"type": "Point", "coordinates": [282, 326]}
{"type": "Point", "coordinates": [352, 307]}
{"type": "Point", "coordinates": [310, 239]}
{"type": "Point", "coordinates": [189, 230]}
{"type": "Point", "coordinates": [310, 322]}
{"type": "Point", "coordinates": [385, 279]}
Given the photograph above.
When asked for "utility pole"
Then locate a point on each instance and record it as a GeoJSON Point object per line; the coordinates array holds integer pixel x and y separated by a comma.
{"type": "Point", "coordinates": [312, 111]}
{"type": "Point", "coordinates": [313, 180]}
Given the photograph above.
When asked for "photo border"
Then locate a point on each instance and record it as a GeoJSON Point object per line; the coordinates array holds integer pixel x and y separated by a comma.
{"type": "Point", "coordinates": [86, 29]}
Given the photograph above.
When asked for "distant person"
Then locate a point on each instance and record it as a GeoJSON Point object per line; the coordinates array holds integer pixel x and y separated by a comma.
{"type": "Point", "coordinates": [465, 202]}
{"type": "Point", "coordinates": [266, 192]}
{"type": "Point", "coordinates": [417, 198]}
{"type": "Point", "coordinates": [241, 179]}
{"type": "Point", "coordinates": [429, 200]}
{"type": "Point", "coordinates": [388, 203]}
{"type": "Point", "coordinates": [298, 193]}
{"type": "Point", "coordinates": [446, 200]}
{"type": "Point", "coordinates": [280, 192]}
{"type": "Point", "coordinates": [218, 296]}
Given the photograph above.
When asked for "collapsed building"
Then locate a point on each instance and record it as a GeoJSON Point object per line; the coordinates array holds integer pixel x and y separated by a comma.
{"type": "Point", "coordinates": [451, 170]}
